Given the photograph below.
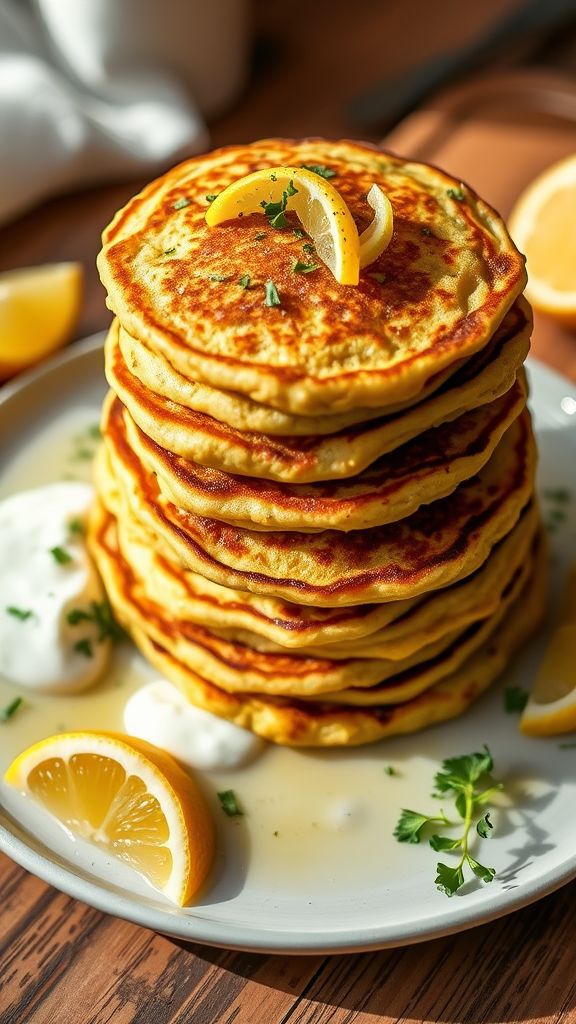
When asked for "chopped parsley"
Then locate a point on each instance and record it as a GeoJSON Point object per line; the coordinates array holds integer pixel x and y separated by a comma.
{"type": "Point", "coordinates": [19, 613]}
{"type": "Point", "coordinates": [84, 647]}
{"type": "Point", "coordinates": [275, 212]}
{"type": "Point", "coordinates": [211, 198]}
{"type": "Point", "coordinates": [468, 781]}
{"type": "Point", "coordinates": [259, 236]}
{"type": "Point", "coordinates": [273, 177]}
{"type": "Point", "coordinates": [10, 709]}
{"type": "Point", "coordinates": [83, 454]}
{"type": "Point", "coordinates": [76, 526]}
{"type": "Point", "coordinates": [560, 495]}
{"type": "Point", "coordinates": [298, 232]}
{"type": "Point", "coordinates": [425, 231]}
{"type": "Point", "coordinates": [229, 803]}
{"type": "Point", "coordinates": [324, 172]}
{"type": "Point", "coordinates": [390, 770]}
{"type": "Point", "coordinates": [244, 281]}
{"type": "Point", "coordinates": [181, 203]}
{"type": "Point", "coordinates": [219, 277]}
{"type": "Point", "coordinates": [100, 613]}
{"type": "Point", "coordinates": [515, 699]}
{"type": "Point", "coordinates": [272, 298]}
{"type": "Point", "coordinates": [308, 247]}
{"type": "Point", "coordinates": [60, 555]}
{"type": "Point", "coordinates": [304, 268]}
{"type": "Point", "coordinates": [94, 432]}
{"type": "Point", "coordinates": [456, 193]}
{"type": "Point", "coordinates": [170, 252]}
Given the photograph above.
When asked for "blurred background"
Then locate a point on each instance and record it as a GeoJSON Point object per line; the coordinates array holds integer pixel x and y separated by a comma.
{"type": "Point", "coordinates": [98, 96]}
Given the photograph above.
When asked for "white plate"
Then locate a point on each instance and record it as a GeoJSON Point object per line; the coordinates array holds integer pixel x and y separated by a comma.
{"type": "Point", "coordinates": [313, 866]}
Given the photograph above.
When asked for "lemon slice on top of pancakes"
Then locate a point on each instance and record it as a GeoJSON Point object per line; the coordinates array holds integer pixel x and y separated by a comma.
{"type": "Point", "coordinates": [321, 210]}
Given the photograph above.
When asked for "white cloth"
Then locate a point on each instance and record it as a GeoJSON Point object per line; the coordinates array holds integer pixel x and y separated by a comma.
{"type": "Point", "coordinates": [99, 89]}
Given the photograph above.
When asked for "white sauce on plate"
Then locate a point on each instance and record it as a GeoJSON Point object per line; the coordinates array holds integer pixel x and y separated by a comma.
{"type": "Point", "coordinates": [46, 573]}
{"type": "Point", "coordinates": [159, 713]}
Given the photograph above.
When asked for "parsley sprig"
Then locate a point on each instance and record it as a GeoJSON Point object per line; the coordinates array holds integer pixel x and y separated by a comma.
{"type": "Point", "coordinates": [468, 780]}
{"type": "Point", "coordinates": [100, 613]}
{"type": "Point", "coordinates": [275, 212]}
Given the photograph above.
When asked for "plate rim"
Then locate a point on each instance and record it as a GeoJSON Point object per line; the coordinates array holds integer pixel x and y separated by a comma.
{"type": "Point", "coordinates": [231, 935]}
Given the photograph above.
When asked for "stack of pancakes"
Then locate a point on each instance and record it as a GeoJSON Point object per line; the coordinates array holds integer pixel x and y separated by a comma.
{"type": "Point", "coordinates": [317, 518]}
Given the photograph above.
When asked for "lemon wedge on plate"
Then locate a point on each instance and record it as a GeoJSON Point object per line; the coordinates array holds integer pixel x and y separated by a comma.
{"type": "Point", "coordinates": [128, 797]}
{"type": "Point", "coordinates": [39, 307]}
{"type": "Point", "coordinates": [542, 225]}
{"type": "Point", "coordinates": [321, 210]}
{"type": "Point", "coordinates": [551, 708]}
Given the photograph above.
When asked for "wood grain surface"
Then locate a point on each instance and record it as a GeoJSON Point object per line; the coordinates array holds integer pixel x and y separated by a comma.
{"type": "Point", "coordinates": [62, 962]}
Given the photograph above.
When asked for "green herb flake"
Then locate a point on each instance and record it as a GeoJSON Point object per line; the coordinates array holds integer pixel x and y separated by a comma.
{"type": "Point", "coordinates": [19, 613]}
{"type": "Point", "coordinates": [567, 746]}
{"type": "Point", "coordinates": [170, 252]}
{"type": "Point", "coordinates": [320, 169]}
{"type": "Point", "coordinates": [390, 770]}
{"type": "Point", "coordinates": [468, 781]}
{"type": "Point", "coordinates": [274, 212]}
{"type": "Point", "coordinates": [100, 613]}
{"type": "Point", "coordinates": [456, 193]}
{"type": "Point", "coordinates": [308, 247]}
{"type": "Point", "coordinates": [181, 203]}
{"type": "Point", "coordinates": [229, 803]}
{"type": "Point", "coordinates": [10, 709]}
{"type": "Point", "coordinates": [560, 495]}
{"type": "Point", "coordinates": [211, 198]}
{"type": "Point", "coordinates": [259, 236]}
{"type": "Point", "coordinates": [515, 699]}
{"type": "Point", "coordinates": [298, 232]}
{"type": "Point", "coordinates": [219, 277]}
{"type": "Point", "coordinates": [425, 231]}
{"type": "Point", "coordinates": [273, 177]}
{"type": "Point", "coordinates": [83, 454]}
{"type": "Point", "coordinates": [272, 298]}
{"type": "Point", "coordinates": [94, 431]}
{"type": "Point", "coordinates": [60, 555]}
{"type": "Point", "coordinates": [76, 527]}
{"type": "Point", "coordinates": [244, 281]}
{"type": "Point", "coordinates": [304, 268]}
{"type": "Point", "coordinates": [84, 647]}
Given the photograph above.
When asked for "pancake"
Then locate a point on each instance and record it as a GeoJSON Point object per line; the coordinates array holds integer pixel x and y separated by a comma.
{"type": "Point", "coordinates": [300, 723]}
{"type": "Point", "coordinates": [393, 630]}
{"type": "Point", "coordinates": [436, 546]}
{"type": "Point", "coordinates": [205, 441]}
{"type": "Point", "coordinates": [235, 667]}
{"type": "Point", "coordinates": [424, 470]}
{"type": "Point", "coordinates": [441, 288]}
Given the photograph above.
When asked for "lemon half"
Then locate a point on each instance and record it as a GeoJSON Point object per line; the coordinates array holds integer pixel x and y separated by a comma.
{"type": "Point", "coordinates": [551, 708]}
{"type": "Point", "coordinates": [128, 797]}
{"type": "Point", "coordinates": [39, 308]}
{"type": "Point", "coordinates": [543, 226]}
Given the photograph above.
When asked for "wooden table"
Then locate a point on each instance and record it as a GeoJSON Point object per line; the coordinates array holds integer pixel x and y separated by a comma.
{"type": "Point", "coordinates": [61, 961]}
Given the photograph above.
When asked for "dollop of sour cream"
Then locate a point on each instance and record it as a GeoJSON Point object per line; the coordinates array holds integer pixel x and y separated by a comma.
{"type": "Point", "coordinates": [160, 713]}
{"type": "Point", "coordinates": [49, 636]}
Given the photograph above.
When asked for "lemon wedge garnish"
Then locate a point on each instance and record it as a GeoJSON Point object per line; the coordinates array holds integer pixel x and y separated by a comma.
{"type": "Point", "coordinates": [129, 798]}
{"type": "Point", "coordinates": [551, 708]}
{"type": "Point", "coordinates": [39, 308]}
{"type": "Point", "coordinates": [321, 210]}
{"type": "Point", "coordinates": [542, 225]}
{"type": "Point", "coordinates": [376, 237]}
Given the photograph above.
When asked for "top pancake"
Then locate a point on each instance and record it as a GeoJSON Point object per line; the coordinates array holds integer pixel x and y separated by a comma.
{"type": "Point", "coordinates": [450, 274]}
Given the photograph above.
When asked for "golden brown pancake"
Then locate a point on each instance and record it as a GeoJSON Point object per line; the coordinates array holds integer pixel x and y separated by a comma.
{"type": "Point", "coordinates": [436, 546]}
{"type": "Point", "coordinates": [319, 723]}
{"type": "Point", "coordinates": [441, 287]}
{"type": "Point", "coordinates": [204, 440]}
{"type": "Point", "coordinates": [426, 469]}
{"type": "Point", "coordinates": [236, 667]}
{"type": "Point", "coordinates": [392, 630]}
